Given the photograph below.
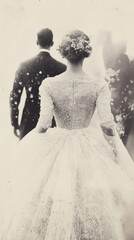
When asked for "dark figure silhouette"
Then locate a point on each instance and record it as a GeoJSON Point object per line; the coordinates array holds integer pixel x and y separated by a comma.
{"type": "Point", "coordinates": [29, 76]}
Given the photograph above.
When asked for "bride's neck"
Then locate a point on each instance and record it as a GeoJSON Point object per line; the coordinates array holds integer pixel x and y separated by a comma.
{"type": "Point", "coordinates": [75, 68]}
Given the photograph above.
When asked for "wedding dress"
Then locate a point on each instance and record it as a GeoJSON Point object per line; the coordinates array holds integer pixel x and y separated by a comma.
{"type": "Point", "coordinates": [73, 182]}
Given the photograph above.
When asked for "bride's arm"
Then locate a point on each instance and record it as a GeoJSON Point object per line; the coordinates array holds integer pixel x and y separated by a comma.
{"type": "Point", "coordinates": [46, 113]}
{"type": "Point", "coordinates": [105, 116]}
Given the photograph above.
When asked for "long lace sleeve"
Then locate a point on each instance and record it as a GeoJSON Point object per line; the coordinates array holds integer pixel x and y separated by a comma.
{"type": "Point", "coordinates": [46, 113]}
{"type": "Point", "coordinates": [105, 116]}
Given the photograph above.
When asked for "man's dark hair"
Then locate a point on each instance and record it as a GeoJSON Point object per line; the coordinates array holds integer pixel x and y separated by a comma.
{"type": "Point", "coordinates": [45, 38]}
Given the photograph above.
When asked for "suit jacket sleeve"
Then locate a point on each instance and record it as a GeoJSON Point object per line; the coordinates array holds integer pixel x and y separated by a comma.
{"type": "Point", "coordinates": [62, 68]}
{"type": "Point", "coordinates": [15, 96]}
{"type": "Point", "coordinates": [56, 68]}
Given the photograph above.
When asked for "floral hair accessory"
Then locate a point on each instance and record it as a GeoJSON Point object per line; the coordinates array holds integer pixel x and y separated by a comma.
{"type": "Point", "coordinates": [75, 45]}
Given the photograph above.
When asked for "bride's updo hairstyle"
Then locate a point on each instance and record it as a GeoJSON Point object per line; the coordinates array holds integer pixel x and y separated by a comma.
{"type": "Point", "coordinates": [75, 46]}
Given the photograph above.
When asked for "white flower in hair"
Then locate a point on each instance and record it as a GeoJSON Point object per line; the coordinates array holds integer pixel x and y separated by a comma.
{"type": "Point", "coordinates": [75, 43]}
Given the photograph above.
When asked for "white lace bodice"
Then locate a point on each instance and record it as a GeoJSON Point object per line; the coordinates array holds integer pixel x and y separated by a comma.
{"type": "Point", "coordinates": [72, 99]}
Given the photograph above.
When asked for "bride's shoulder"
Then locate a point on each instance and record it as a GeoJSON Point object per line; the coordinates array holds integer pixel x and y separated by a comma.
{"type": "Point", "coordinates": [95, 81]}
{"type": "Point", "coordinates": [103, 88]}
{"type": "Point", "coordinates": [101, 84]}
{"type": "Point", "coordinates": [52, 80]}
{"type": "Point", "coordinates": [48, 82]}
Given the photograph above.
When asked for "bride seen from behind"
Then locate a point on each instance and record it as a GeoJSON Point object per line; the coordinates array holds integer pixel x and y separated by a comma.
{"type": "Point", "coordinates": [66, 182]}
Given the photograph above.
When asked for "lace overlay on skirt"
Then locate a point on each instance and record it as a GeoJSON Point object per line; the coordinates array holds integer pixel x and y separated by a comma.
{"type": "Point", "coordinates": [71, 189]}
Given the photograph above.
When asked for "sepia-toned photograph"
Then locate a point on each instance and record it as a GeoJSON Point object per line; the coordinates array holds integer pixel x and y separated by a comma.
{"type": "Point", "coordinates": [67, 120]}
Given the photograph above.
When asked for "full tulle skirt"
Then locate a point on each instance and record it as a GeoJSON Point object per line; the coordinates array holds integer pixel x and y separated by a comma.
{"type": "Point", "coordinates": [67, 185]}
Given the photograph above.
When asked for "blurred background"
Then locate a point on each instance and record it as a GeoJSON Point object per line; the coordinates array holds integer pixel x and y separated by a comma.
{"type": "Point", "coordinates": [110, 27]}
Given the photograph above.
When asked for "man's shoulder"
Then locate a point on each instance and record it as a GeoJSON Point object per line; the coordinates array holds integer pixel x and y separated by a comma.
{"type": "Point", "coordinates": [57, 61]}
{"type": "Point", "coordinates": [58, 64]}
{"type": "Point", "coordinates": [30, 61]}
{"type": "Point", "coordinates": [29, 65]}
{"type": "Point", "coordinates": [42, 61]}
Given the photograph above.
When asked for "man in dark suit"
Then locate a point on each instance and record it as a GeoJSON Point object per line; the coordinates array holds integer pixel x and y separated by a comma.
{"type": "Point", "coordinates": [29, 76]}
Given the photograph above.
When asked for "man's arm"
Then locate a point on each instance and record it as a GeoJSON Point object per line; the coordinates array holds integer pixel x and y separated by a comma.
{"type": "Point", "coordinates": [60, 68]}
{"type": "Point", "coordinates": [56, 68]}
{"type": "Point", "coordinates": [15, 98]}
